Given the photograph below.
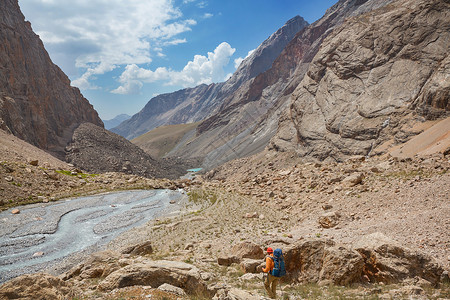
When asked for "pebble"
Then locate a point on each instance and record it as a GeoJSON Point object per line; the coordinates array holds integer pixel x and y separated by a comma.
{"type": "Point", "coordinates": [15, 211]}
{"type": "Point", "coordinates": [38, 254]}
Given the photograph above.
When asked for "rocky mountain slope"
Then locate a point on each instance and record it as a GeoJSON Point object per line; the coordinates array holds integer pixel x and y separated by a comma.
{"type": "Point", "coordinates": [372, 80]}
{"type": "Point", "coordinates": [97, 150]}
{"type": "Point", "coordinates": [198, 103]}
{"type": "Point", "coordinates": [30, 175]}
{"type": "Point", "coordinates": [351, 83]}
{"type": "Point", "coordinates": [248, 122]}
{"type": "Point", "coordinates": [37, 103]}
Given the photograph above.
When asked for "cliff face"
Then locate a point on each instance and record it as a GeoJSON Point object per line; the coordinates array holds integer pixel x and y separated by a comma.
{"type": "Point", "coordinates": [373, 78]}
{"type": "Point", "coordinates": [37, 103]}
{"type": "Point", "coordinates": [250, 117]}
{"type": "Point", "coordinates": [198, 103]}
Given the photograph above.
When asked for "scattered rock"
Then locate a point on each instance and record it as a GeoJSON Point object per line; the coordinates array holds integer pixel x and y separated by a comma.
{"type": "Point", "coordinates": [34, 162]}
{"type": "Point", "coordinates": [227, 261]}
{"type": "Point", "coordinates": [38, 254]}
{"type": "Point", "coordinates": [329, 220]}
{"type": "Point", "coordinates": [353, 179]}
{"type": "Point", "coordinates": [9, 179]}
{"type": "Point", "coordinates": [15, 211]}
{"type": "Point", "coordinates": [143, 248]}
{"type": "Point", "coordinates": [172, 289]}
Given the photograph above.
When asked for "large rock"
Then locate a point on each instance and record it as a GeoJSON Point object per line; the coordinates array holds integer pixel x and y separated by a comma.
{"type": "Point", "coordinates": [143, 248]}
{"type": "Point", "coordinates": [341, 265]}
{"type": "Point", "coordinates": [37, 103]}
{"type": "Point", "coordinates": [304, 260]}
{"type": "Point", "coordinates": [248, 250]}
{"type": "Point", "coordinates": [252, 265]}
{"type": "Point", "coordinates": [386, 260]}
{"type": "Point", "coordinates": [99, 264]}
{"type": "Point", "coordinates": [37, 286]}
{"type": "Point", "coordinates": [156, 273]}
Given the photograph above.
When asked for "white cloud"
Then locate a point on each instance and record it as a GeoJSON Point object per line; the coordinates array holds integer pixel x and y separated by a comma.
{"type": "Point", "coordinates": [175, 42]}
{"type": "Point", "coordinates": [98, 35]}
{"type": "Point", "coordinates": [239, 60]}
{"type": "Point", "coordinates": [208, 15]}
{"type": "Point", "coordinates": [202, 69]}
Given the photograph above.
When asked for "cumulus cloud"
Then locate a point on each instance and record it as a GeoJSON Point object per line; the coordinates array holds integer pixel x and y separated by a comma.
{"type": "Point", "coordinates": [202, 69]}
{"type": "Point", "coordinates": [97, 35]}
{"type": "Point", "coordinates": [239, 60]}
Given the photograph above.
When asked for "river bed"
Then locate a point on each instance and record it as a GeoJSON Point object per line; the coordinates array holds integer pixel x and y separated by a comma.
{"type": "Point", "coordinates": [42, 236]}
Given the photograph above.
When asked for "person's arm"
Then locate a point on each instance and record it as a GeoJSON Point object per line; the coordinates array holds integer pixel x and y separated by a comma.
{"type": "Point", "coordinates": [269, 264]}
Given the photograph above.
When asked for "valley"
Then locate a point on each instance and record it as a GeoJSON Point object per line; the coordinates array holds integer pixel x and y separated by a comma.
{"type": "Point", "coordinates": [330, 140]}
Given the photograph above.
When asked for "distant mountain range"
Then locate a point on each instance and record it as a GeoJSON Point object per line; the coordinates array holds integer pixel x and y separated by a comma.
{"type": "Point", "coordinates": [115, 121]}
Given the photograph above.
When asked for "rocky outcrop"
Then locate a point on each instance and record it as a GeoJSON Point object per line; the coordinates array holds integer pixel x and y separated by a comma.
{"type": "Point", "coordinates": [37, 286]}
{"type": "Point", "coordinates": [374, 258]}
{"type": "Point", "coordinates": [156, 273]}
{"type": "Point", "coordinates": [37, 103]}
{"type": "Point", "coordinates": [372, 79]}
{"type": "Point", "coordinates": [196, 104]}
{"type": "Point", "coordinates": [97, 150]}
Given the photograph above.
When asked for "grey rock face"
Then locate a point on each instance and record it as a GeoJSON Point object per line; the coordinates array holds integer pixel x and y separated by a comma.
{"type": "Point", "coordinates": [37, 103]}
{"type": "Point", "coordinates": [371, 76]}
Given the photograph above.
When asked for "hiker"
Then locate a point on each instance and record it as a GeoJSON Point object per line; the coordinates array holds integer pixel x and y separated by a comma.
{"type": "Point", "coordinates": [270, 281]}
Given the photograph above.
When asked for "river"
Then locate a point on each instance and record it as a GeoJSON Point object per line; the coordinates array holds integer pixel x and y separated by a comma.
{"type": "Point", "coordinates": [42, 236]}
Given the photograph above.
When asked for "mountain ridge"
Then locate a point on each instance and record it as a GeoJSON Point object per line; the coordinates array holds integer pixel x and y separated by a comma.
{"type": "Point", "coordinates": [37, 102]}
{"type": "Point", "coordinates": [195, 104]}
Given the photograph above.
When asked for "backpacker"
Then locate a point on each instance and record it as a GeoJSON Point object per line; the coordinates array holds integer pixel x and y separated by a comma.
{"type": "Point", "coordinates": [279, 269]}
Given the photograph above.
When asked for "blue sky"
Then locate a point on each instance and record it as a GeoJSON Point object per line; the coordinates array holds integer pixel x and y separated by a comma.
{"type": "Point", "coordinates": [121, 53]}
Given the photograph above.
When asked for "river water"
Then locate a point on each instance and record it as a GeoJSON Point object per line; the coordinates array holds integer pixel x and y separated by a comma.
{"type": "Point", "coordinates": [43, 235]}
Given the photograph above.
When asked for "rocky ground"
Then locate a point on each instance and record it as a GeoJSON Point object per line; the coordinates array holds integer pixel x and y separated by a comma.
{"type": "Point", "coordinates": [271, 199]}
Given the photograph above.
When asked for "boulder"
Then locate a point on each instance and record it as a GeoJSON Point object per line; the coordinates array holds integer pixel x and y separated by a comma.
{"type": "Point", "coordinates": [143, 248]}
{"type": "Point", "coordinates": [341, 265]}
{"type": "Point", "coordinates": [156, 273]}
{"type": "Point", "coordinates": [37, 286]}
{"type": "Point", "coordinates": [172, 289]}
{"type": "Point", "coordinates": [353, 179]}
{"type": "Point", "coordinates": [15, 211]}
{"type": "Point", "coordinates": [304, 259]}
{"type": "Point", "coordinates": [99, 264]}
{"type": "Point", "coordinates": [227, 261]}
{"type": "Point", "coordinates": [248, 250]}
{"type": "Point", "coordinates": [329, 219]}
{"type": "Point", "coordinates": [249, 265]}
{"type": "Point", "coordinates": [386, 260]}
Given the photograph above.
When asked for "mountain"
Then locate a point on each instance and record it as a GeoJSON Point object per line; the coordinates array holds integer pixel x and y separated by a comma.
{"type": "Point", "coordinates": [354, 82]}
{"type": "Point", "coordinates": [115, 121]}
{"type": "Point", "coordinates": [98, 150]}
{"type": "Point", "coordinates": [373, 79]}
{"type": "Point", "coordinates": [37, 103]}
{"type": "Point", "coordinates": [196, 104]}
